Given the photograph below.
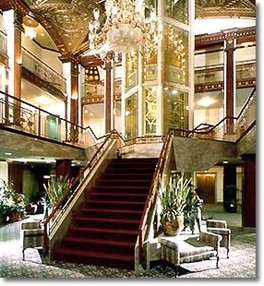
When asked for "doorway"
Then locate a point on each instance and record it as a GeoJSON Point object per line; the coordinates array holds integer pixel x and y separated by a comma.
{"type": "Point", "coordinates": [205, 183]}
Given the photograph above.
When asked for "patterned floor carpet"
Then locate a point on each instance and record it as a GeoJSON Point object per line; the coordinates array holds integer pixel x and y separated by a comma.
{"type": "Point", "coordinates": [242, 263]}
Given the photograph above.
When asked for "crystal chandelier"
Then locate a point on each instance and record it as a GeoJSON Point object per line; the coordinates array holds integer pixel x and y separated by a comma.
{"type": "Point", "coordinates": [126, 28]}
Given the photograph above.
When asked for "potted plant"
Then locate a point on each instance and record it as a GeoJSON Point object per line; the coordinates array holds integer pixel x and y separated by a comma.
{"type": "Point", "coordinates": [4, 212]}
{"type": "Point", "coordinates": [230, 198]}
{"type": "Point", "coordinates": [12, 204]}
{"type": "Point", "coordinates": [173, 198]}
{"type": "Point", "coordinates": [192, 211]}
{"type": "Point", "coordinates": [55, 189]}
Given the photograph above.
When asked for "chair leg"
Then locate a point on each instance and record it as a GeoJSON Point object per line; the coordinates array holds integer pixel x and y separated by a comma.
{"type": "Point", "coordinates": [217, 261]}
{"type": "Point", "coordinates": [227, 252]}
{"type": "Point", "coordinates": [23, 252]}
{"type": "Point", "coordinates": [177, 267]}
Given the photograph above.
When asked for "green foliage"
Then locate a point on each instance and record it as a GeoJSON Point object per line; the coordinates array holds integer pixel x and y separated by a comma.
{"type": "Point", "coordinates": [10, 200]}
{"type": "Point", "coordinates": [173, 197]}
{"type": "Point", "coordinates": [56, 189]}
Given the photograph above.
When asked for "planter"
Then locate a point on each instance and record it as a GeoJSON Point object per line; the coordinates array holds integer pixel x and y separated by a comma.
{"type": "Point", "coordinates": [2, 220]}
{"type": "Point", "coordinates": [15, 216]}
{"type": "Point", "coordinates": [174, 227]}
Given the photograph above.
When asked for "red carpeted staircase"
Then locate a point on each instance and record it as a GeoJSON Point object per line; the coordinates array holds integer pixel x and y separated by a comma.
{"type": "Point", "coordinates": [105, 229]}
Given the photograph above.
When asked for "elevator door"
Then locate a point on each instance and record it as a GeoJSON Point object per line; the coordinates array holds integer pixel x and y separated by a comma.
{"type": "Point", "coordinates": [206, 187]}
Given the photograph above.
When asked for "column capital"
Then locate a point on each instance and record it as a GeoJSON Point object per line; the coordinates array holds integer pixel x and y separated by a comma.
{"type": "Point", "coordinates": [18, 20]}
{"type": "Point", "coordinates": [230, 33]}
{"type": "Point", "coordinates": [230, 36]}
{"type": "Point", "coordinates": [74, 69]}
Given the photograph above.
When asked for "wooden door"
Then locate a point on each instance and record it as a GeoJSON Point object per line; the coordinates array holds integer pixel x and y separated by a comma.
{"type": "Point", "coordinates": [205, 182]}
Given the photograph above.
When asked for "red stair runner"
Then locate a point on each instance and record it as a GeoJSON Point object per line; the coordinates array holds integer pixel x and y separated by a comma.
{"type": "Point", "coordinates": [104, 230]}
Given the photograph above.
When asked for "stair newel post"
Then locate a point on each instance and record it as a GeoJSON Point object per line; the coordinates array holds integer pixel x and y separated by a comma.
{"type": "Point", "coordinates": [45, 247]}
{"type": "Point", "coordinates": [140, 246]}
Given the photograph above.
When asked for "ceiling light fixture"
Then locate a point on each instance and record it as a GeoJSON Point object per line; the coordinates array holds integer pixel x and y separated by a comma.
{"type": "Point", "coordinates": [30, 25]}
{"type": "Point", "coordinates": [126, 28]}
{"type": "Point", "coordinates": [206, 101]}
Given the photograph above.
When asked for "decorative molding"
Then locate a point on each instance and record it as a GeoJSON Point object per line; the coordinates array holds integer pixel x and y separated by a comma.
{"type": "Point", "coordinates": [97, 99]}
{"type": "Point", "coordinates": [6, 5]}
{"type": "Point", "coordinates": [208, 87]}
{"type": "Point", "coordinates": [208, 40]}
{"type": "Point", "coordinates": [225, 8]}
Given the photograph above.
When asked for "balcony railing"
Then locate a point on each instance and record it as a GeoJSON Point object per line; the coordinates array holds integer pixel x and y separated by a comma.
{"type": "Point", "coordinates": [43, 71]}
{"type": "Point", "coordinates": [3, 49]}
{"type": "Point", "coordinates": [3, 43]}
{"type": "Point", "coordinates": [215, 73]}
{"type": "Point", "coordinates": [23, 116]}
{"type": "Point", "coordinates": [20, 115]}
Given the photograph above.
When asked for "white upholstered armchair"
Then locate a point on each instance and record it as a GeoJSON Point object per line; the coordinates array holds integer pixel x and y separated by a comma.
{"type": "Point", "coordinates": [176, 250]}
{"type": "Point", "coordinates": [220, 227]}
{"type": "Point", "coordinates": [32, 235]}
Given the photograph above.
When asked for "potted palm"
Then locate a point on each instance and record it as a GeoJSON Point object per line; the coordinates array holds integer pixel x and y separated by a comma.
{"type": "Point", "coordinates": [56, 189]}
{"type": "Point", "coordinates": [173, 199]}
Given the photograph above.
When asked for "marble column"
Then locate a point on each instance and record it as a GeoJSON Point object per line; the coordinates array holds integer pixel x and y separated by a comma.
{"type": "Point", "coordinates": [18, 28]}
{"type": "Point", "coordinates": [229, 80]}
{"type": "Point", "coordinates": [108, 96]}
{"type": "Point", "coordinates": [74, 102]}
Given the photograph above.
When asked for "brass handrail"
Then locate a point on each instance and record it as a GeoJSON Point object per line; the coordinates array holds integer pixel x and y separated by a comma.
{"type": "Point", "coordinates": [73, 190]}
{"type": "Point", "coordinates": [152, 194]}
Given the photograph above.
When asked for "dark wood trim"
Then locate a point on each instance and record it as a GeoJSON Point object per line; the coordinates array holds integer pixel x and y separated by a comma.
{"type": "Point", "coordinates": [242, 35]}
{"type": "Point", "coordinates": [214, 86]}
{"type": "Point", "coordinates": [34, 79]}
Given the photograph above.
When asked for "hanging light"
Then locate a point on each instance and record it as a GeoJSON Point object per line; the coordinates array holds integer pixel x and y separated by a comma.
{"type": "Point", "coordinates": [30, 25]}
{"type": "Point", "coordinates": [125, 27]}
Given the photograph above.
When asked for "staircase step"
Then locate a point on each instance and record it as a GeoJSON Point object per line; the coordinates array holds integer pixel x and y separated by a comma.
{"type": "Point", "coordinates": [103, 233]}
{"type": "Point", "coordinates": [122, 189]}
{"type": "Point", "coordinates": [117, 260]}
{"type": "Point", "coordinates": [137, 161]}
{"type": "Point", "coordinates": [114, 223]}
{"type": "Point", "coordinates": [109, 213]}
{"type": "Point", "coordinates": [120, 176]}
{"type": "Point", "coordinates": [130, 169]}
{"type": "Point", "coordinates": [125, 205]}
{"type": "Point", "coordinates": [122, 182]}
{"type": "Point", "coordinates": [100, 244]}
{"type": "Point", "coordinates": [117, 196]}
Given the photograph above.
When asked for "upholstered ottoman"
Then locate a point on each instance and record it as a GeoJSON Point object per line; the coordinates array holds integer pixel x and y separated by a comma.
{"type": "Point", "coordinates": [186, 249]}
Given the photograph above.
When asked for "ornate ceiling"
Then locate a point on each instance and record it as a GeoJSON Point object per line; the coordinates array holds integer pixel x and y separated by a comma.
{"type": "Point", "coordinates": [66, 21]}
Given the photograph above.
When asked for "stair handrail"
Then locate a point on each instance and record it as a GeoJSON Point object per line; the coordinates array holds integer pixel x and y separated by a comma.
{"type": "Point", "coordinates": [247, 102]}
{"type": "Point", "coordinates": [212, 128]}
{"type": "Point", "coordinates": [153, 191]}
{"type": "Point", "coordinates": [73, 190]}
